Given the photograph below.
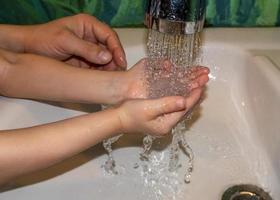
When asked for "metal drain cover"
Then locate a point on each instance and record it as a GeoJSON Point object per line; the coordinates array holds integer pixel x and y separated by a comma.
{"type": "Point", "coordinates": [245, 192]}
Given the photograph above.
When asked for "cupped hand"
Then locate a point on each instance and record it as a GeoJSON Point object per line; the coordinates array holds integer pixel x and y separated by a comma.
{"type": "Point", "coordinates": [80, 40]}
{"type": "Point", "coordinates": [136, 80]}
{"type": "Point", "coordinates": [155, 116]}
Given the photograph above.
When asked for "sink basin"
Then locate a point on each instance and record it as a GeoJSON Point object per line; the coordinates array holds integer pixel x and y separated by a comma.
{"type": "Point", "coordinates": [234, 135]}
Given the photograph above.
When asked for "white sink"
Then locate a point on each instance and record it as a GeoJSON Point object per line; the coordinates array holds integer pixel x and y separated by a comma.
{"type": "Point", "coordinates": [235, 136]}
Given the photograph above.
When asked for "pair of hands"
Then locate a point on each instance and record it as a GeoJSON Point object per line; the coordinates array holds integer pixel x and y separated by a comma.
{"type": "Point", "coordinates": [84, 41]}
{"type": "Point", "coordinates": [158, 116]}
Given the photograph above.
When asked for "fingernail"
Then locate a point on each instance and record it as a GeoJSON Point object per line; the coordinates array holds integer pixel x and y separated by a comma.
{"type": "Point", "coordinates": [123, 61]}
{"type": "Point", "coordinates": [195, 84]}
{"type": "Point", "coordinates": [104, 56]}
{"type": "Point", "coordinates": [205, 69]}
{"type": "Point", "coordinates": [180, 103]}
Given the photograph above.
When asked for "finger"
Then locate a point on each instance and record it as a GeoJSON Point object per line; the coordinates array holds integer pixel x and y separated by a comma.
{"type": "Point", "coordinates": [112, 66]}
{"type": "Point", "coordinates": [206, 70]}
{"type": "Point", "coordinates": [79, 62]}
{"type": "Point", "coordinates": [198, 77]}
{"type": "Point", "coordinates": [199, 67]}
{"type": "Point", "coordinates": [108, 37]}
{"type": "Point", "coordinates": [199, 70]}
{"type": "Point", "coordinates": [199, 81]}
{"type": "Point", "coordinates": [87, 50]}
{"type": "Point", "coordinates": [202, 70]}
{"type": "Point", "coordinates": [173, 118]}
{"type": "Point", "coordinates": [165, 105]}
{"type": "Point", "coordinates": [73, 62]}
{"type": "Point", "coordinates": [167, 65]}
{"type": "Point", "coordinates": [120, 58]}
{"type": "Point", "coordinates": [193, 98]}
{"type": "Point", "coordinates": [202, 80]}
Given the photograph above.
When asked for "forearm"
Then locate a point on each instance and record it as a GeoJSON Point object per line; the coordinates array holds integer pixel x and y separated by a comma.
{"type": "Point", "coordinates": [12, 37]}
{"type": "Point", "coordinates": [37, 77]}
{"type": "Point", "coordinates": [25, 150]}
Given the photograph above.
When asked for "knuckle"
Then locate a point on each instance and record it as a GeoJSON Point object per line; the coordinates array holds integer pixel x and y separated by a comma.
{"type": "Point", "coordinates": [110, 32]}
{"type": "Point", "coordinates": [114, 33]}
{"type": "Point", "coordinates": [165, 107]}
{"type": "Point", "coordinates": [82, 16]}
{"type": "Point", "coordinates": [93, 49]}
{"type": "Point", "coordinates": [61, 36]}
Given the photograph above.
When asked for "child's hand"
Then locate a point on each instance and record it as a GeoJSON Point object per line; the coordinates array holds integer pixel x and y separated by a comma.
{"type": "Point", "coordinates": [157, 116]}
{"type": "Point", "coordinates": [136, 86]}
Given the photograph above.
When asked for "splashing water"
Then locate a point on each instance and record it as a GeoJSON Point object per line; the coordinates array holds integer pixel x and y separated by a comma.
{"type": "Point", "coordinates": [180, 140]}
{"type": "Point", "coordinates": [147, 145]}
{"type": "Point", "coordinates": [159, 182]}
{"type": "Point", "coordinates": [110, 163]}
{"type": "Point", "coordinates": [168, 73]}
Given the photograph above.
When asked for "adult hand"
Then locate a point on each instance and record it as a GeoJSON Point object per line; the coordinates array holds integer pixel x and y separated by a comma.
{"type": "Point", "coordinates": [80, 40]}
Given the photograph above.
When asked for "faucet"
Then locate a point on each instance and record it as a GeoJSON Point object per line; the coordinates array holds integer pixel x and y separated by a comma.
{"type": "Point", "coordinates": [175, 16]}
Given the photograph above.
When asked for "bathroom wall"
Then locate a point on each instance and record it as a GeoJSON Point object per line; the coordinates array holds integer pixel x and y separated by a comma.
{"type": "Point", "coordinates": [122, 13]}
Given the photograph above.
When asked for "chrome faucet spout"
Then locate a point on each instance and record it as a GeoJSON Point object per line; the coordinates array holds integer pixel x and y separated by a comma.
{"type": "Point", "coordinates": [176, 16]}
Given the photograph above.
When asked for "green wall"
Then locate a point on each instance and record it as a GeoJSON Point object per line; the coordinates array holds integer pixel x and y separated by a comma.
{"type": "Point", "coordinates": [122, 13]}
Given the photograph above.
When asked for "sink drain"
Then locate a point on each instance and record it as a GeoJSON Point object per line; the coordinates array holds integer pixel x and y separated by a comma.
{"type": "Point", "coordinates": [245, 192]}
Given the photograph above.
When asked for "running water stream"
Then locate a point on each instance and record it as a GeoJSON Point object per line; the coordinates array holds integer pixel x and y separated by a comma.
{"type": "Point", "coordinates": [170, 61]}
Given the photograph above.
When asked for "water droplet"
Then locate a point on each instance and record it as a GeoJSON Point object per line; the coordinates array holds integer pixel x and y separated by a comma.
{"type": "Point", "coordinates": [110, 164]}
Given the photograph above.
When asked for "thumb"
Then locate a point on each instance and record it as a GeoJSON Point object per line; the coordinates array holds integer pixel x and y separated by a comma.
{"type": "Point", "coordinates": [166, 105]}
{"type": "Point", "coordinates": [87, 50]}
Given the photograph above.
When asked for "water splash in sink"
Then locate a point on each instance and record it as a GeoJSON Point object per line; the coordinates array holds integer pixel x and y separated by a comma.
{"type": "Point", "coordinates": [110, 163]}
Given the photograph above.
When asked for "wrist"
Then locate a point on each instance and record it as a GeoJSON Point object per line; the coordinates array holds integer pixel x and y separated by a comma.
{"type": "Point", "coordinates": [13, 37]}
{"type": "Point", "coordinates": [115, 123]}
{"type": "Point", "coordinates": [120, 118]}
{"type": "Point", "coordinates": [120, 85]}
{"type": "Point", "coordinates": [27, 38]}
